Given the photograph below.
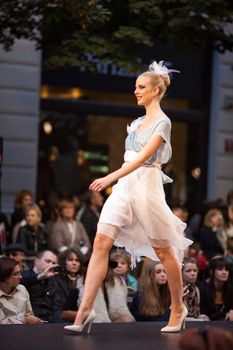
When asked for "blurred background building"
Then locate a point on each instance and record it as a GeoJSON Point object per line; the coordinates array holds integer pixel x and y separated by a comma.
{"type": "Point", "coordinates": [62, 128]}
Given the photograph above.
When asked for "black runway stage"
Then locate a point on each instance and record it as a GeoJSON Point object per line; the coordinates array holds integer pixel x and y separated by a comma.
{"type": "Point", "coordinates": [118, 336]}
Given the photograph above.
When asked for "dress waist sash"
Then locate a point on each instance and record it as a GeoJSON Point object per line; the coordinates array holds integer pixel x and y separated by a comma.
{"type": "Point", "coordinates": [130, 155]}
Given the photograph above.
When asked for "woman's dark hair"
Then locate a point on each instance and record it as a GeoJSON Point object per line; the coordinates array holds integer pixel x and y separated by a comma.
{"type": "Point", "coordinates": [7, 266]}
{"type": "Point", "coordinates": [64, 256]}
{"type": "Point", "coordinates": [219, 264]}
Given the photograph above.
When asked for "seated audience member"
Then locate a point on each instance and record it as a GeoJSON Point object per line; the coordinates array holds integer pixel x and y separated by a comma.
{"type": "Point", "coordinates": [68, 232]}
{"type": "Point", "coordinates": [216, 294]}
{"type": "Point", "coordinates": [123, 260]}
{"type": "Point", "coordinates": [17, 252]}
{"type": "Point", "coordinates": [206, 338]}
{"type": "Point", "coordinates": [33, 236]}
{"type": "Point", "coordinates": [41, 287]}
{"type": "Point", "coordinates": [22, 200]}
{"type": "Point", "coordinates": [14, 298]}
{"type": "Point", "coordinates": [211, 238]}
{"type": "Point", "coordinates": [89, 212]}
{"type": "Point", "coordinates": [66, 282]}
{"type": "Point", "coordinates": [110, 303]}
{"type": "Point", "coordinates": [152, 300]}
{"type": "Point", "coordinates": [191, 295]}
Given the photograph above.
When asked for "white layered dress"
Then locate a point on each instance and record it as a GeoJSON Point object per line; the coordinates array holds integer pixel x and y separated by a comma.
{"type": "Point", "coordinates": [136, 214]}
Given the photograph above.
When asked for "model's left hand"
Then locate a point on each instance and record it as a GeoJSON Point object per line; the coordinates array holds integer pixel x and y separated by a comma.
{"type": "Point", "coordinates": [100, 184]}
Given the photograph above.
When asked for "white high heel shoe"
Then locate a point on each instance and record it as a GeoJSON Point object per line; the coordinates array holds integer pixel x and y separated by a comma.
{"type": "Point", "coordinates": [87, 323]}
{"type": "Point", "coordinates": [179, 326]}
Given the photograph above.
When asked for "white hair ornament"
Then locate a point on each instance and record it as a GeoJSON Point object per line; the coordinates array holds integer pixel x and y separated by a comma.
{"type": "Point", "coordinates": [160, 68]}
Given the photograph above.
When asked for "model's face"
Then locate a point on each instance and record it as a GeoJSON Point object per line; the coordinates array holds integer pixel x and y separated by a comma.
{"type": "Point", "coordinates": [144, 91]}
{"type": "Point", "coordinates": [14, 279]}
{"type": "Point", "coordinates": [68, 212]}
{"type": "Point", "coordinates": [221, 275]}
{"type": "Point", "coordinates": [72, 263]}
{"type": "Point", "coordinates": [32, 218]}
{"type": "Point", "coordinates": [47, 260]}
{"type": "Point", "coordinates": [190, 272]}
{"type": "Point", "coordinates": [160, 275]}
{"type": "Point", "coordinates": [122, 267]}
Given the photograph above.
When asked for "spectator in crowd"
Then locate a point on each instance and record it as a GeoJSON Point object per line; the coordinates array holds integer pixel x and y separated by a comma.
{"type": "Point", "coordinates": [33, 236]}
{"type": "Point", "coordinates": [216, 294]}
{"type": "Point", "coordinates": [211, 233]}
{"type": "Point", "coordinates": [152, 300]}
{"type": "Point", "coordinates": [207, 338]}
{"type": "Point", "coordinates": [72, 262]}
{"type": "Point", "coordinates": [191, 295]}
{"type": "Point", "coordinates": [17, 252]}
{"type": "Point", "coordinates": [111, 301]}
{"type": "Point", "coordinates": [123, 260]}
{"type": "Point", "coordinates": [41, 287]}
{"type": "Point", "coordinates": [68, 232]}
{"type": "Point", "coordinates": [14, 298]}
{"type": "Point", "coordinates": [89, 212]}
{"type": "Point", "coordinates": [195, 252]}
{"type": "Point", "coordinates": [22, 200]}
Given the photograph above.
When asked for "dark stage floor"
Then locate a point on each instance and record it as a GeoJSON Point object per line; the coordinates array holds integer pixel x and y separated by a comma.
{"type": "Point", "coordinates": [134, 336]}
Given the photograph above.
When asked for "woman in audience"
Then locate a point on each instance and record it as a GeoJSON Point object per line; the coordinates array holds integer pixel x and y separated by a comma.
{"type": "Point", "coordinates": [68, 232]}
{"type": "Point", "coordinates": [152, 300]}
{"type": "Point", "coordinates": [111, 301]}
{"type": "Point", "coordinates": [212, 236]}
{"type": "Point", "coordinates": [216, 295]}
{"type": "Point", "coordinates": [191, 291]}
{"type": "Point", "coordinates": [14, 298]}
{"type": "Point", "coordinates": [66, 282]}
{"type": "Point", "coordinates": [22, 200]}
{"type": "Point", "coordinates": [33, 236]}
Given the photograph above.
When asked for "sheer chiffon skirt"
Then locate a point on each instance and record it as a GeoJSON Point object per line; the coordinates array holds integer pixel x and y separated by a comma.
{"type": "Point", "coordinates": [137, 216]}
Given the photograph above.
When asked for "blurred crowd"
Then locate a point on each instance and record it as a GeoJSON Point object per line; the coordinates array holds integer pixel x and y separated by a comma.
{"type": "Point", "coordinates": [45, 253]}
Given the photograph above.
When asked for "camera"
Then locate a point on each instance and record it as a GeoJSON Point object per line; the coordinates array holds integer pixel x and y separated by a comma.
{"type": "Point", "coordinates": [59, 269]}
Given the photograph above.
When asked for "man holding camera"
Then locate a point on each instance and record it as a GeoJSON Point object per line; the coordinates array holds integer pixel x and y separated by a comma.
{"type": "Point", "coordinates": [41, 287]}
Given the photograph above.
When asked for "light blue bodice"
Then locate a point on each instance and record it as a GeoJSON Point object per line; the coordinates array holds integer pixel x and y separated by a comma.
{"type": "Point", "coordinates": [135, 141]}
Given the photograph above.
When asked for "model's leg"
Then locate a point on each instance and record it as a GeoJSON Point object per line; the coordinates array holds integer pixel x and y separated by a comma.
{"type": "Point", "coordinates": [174, 278]}
{"type": "Point", "coordinates": [96, 272]}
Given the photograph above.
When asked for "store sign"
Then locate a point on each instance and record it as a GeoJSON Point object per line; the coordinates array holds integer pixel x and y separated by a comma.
{"type": "Point", "coordinates": [191, 83]}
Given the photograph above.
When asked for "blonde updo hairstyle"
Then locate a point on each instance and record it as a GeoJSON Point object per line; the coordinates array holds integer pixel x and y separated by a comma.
{"type": "Point", "coordinates": [158, 81]}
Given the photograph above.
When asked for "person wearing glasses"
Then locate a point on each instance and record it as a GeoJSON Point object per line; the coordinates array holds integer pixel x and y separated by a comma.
{"type": "Point", "coordinates": [14, 298]}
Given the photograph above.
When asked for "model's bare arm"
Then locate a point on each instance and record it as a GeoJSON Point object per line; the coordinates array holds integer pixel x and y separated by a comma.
{"type": "Point", "coordinates": [149, 149]}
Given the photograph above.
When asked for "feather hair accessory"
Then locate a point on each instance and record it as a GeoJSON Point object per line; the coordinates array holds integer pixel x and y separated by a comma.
{"type": "Point", "coordinates": [160, 68]}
